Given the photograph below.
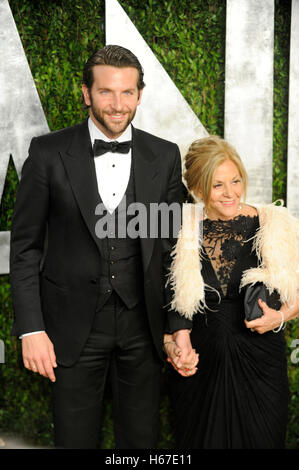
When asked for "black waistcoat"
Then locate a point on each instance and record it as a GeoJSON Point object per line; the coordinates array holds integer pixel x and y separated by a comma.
{"type": "Point", "coordinates": [121, 264]}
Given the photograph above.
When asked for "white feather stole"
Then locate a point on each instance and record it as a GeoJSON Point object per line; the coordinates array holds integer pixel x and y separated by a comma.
{"type": "Point", "coordinates": [277, 247]}
{"type": "Point", "coordinates": [185, 272]}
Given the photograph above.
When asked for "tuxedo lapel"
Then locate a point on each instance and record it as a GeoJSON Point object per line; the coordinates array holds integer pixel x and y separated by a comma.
{"type": "Point", "coordinates": [147, 187]}
{"type": "Point", "coordinates": [80, 167]}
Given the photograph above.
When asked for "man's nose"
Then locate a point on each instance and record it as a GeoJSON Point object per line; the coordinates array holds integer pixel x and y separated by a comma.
{"type": "Point", "coordinates": [117, 102]}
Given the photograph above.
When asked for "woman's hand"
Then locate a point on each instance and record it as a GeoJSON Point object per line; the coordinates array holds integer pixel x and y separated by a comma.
{"type": "Point", "coordinates": [271, 319]}
{"type": "Point", "coordinates": [180, 353]}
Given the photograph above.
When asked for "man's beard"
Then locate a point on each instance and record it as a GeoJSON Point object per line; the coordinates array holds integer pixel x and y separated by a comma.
{"type": "Point", "coordinates": [116, 130]}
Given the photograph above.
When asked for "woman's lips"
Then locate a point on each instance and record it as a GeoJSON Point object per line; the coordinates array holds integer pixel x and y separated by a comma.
{"type": "Point", "coordinates": [228, 203]}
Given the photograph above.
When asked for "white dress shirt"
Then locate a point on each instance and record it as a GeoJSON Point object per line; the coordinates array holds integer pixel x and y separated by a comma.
{"type": "Point", "coordinates": [112, 169]}
{"type": "Point", "coordinates": [112, 172]}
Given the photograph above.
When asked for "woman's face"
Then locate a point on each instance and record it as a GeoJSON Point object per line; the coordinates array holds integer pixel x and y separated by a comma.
{"type": "Point", "coordinates": [226, 192]}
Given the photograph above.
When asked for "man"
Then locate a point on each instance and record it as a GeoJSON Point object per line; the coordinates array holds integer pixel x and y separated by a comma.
{"type": "Point", "coordinates": [87, 306]}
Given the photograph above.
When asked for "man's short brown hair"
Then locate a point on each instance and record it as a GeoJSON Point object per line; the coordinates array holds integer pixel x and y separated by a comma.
{"type": "Point", "coordinates": [116, 56]}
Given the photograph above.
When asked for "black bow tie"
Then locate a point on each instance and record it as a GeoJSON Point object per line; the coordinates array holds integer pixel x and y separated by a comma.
{"type": "Point", "coordinates": [100, 147]}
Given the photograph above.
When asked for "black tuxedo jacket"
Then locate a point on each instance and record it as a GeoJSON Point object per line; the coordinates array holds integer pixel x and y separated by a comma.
{"type": "Point", "coordinates": [55, 257]}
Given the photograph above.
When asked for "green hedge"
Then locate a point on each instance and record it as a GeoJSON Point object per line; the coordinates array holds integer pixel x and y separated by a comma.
{"type": "Point", "coordinates": [188, 37]}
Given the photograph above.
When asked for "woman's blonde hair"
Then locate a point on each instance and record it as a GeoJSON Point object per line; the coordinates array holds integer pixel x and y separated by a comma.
{"type": "Point", "coordinates": [203, 158]}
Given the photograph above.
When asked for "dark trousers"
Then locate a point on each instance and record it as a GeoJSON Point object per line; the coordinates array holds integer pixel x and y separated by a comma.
{"type": "Point", "coordinates": [119, 347]}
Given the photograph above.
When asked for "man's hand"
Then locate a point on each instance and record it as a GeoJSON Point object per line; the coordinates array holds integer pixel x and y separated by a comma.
{"type": "Point", "coordinates": [180, 353]}
{"type": "Point", "coordinates": [38, 354]}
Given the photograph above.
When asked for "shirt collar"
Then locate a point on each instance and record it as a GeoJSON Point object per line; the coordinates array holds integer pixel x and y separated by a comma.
{"type": "Point", "coordinates": [96, 133]}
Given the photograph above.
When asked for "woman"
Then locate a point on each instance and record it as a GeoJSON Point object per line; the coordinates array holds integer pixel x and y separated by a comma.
{"type": "Point", "coordinates": [238, 398]}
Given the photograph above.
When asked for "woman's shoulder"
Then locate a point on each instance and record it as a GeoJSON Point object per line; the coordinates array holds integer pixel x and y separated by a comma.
{"type": "Point", "coordinates": [249, 210]}
{"type": "Point", "coordinates": [276, 216]}
{"type": "Point", "coordinates": [274, 209]}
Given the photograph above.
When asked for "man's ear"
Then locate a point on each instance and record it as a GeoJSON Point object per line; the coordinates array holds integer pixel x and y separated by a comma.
{"type": "Point", "coordinates": [86, 96]}
{"type": "Point", "coordinates": [139, 97]}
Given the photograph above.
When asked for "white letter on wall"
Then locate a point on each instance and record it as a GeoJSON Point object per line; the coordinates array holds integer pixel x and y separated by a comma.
{"type": "Point", "coordinates": [249, 90]}
{"type": "Point", "coordinates": [293, 134]}
{"type": "Point", "coordinates": [21, 114]}
{"type": "Point", "coordinates": [163, 110]}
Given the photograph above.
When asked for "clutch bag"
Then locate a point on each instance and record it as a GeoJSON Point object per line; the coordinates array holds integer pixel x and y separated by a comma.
{"type": "Point", "coordinates": [252, 294]}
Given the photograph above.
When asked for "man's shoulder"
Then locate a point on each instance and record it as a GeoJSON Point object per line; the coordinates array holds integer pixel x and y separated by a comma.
{"type": "Point", "coordinates": [153, 139]}
{"type": "Point", "coordinates": [61, 136]}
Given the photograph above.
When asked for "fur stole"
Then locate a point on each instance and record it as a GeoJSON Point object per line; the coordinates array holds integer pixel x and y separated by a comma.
{"type": "Point", "coordinates": [277, 247]}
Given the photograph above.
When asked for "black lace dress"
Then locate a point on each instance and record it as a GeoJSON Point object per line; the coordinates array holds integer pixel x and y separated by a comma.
{"type": "Point", "coordinates": [238, 399]}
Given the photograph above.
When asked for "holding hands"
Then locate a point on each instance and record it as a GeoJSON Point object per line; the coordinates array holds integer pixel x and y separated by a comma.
{"type": "Point", "coordinates": [180, 353]}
